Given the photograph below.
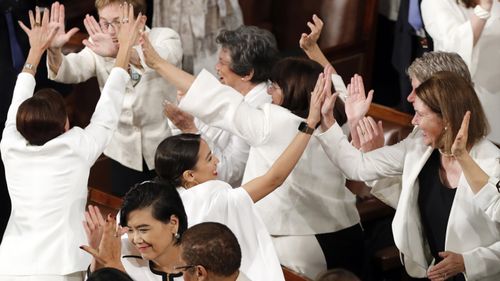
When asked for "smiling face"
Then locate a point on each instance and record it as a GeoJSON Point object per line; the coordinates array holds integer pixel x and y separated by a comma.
{"type": "Point", "coordinates": [109, 19]}
{"type": "Point", "coordinates": [430, 123]}
{"type": "Point", "coordinates": [206, 166]}
{"type": "Point", "coordinates": [224, 71]}
{"type": "Point", "coordinates": [153, 238]}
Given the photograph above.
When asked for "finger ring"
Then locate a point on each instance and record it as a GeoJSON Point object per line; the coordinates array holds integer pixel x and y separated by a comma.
{"type": "Point", "coordinates": [37, 24]}
{"type": "Point", "coordinates": [125, 20]}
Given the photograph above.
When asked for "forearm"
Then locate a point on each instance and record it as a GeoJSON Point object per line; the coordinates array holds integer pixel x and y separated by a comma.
{"type": "Point", "coordinates": [474, 175]}
{"type": "Point", "coordinates": [175, 76]}
{"type": "Point", "coordinates": [315, 54]}
{"type": "Point", "coordinates": [54, 59]}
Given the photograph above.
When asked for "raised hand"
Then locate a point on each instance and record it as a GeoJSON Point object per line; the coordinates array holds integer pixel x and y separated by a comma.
{"type": "Point", "coordinates": [101, 43]}
{"type": "Point", "coordinates": [357, 102]}
{"type": "Point", "coordinates": [459, 147]}
{"type": "Point", "coordinates": [308, 41]}
{"type": "Point", "coordinates": [327, 118]}
{"type": "Point", "coordinates": [130, 29]}
{"type": "Point", "coordinates": [151, 57]}
{"type": "Point", "coordinates": [451, 265]}
{"type": "Point", "coordinates": [108, 253]}
{"type": "Point", "coordinates": [182, 120]}
{"type": "Point", "coordinates": [41, 34]}
{"type": "Point", "coordinates": [57, 15]}
{"type": "Point", "coordinates": [371, 134]}
{"type": "Point", "coordinates": [93, 225]}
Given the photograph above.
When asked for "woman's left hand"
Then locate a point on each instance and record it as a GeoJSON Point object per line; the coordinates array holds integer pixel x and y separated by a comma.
{"type": "Point", "coordinates": [451, 265]}
{"type": "Point", "coordinates": [41, 33]}
{"type": "Point", "coordinates": [459, 147]}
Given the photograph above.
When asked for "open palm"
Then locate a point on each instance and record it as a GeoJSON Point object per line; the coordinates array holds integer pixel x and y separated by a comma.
{"type": "Point", "coordinates": [57, 21]}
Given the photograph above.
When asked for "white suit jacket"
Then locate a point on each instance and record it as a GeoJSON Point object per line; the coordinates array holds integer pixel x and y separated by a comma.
{"type": "Point", "coordinates": [313, 199]}
{"type": "Point", "coordinates": [142, 125]}
{"type": "Point", "coordinates": [471, 230]}
{"type": "Point", "coordinates": [48, 186]}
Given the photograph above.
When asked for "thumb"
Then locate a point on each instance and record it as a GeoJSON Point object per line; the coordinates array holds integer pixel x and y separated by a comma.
{"type": "Point", "coordinates": [90, 250]}
{"type": "Point", "coordinates": [443, 254]}
{"type": "Point", "coordinates": [380, 126]}
{"type": "Point", "coordinates": [72, 32]}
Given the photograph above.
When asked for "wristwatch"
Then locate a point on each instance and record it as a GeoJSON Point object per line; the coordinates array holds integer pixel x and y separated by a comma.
{"type": "Point", "coordinates": [303, 127]}
{"type": "Point", "coordinates": [28, 66]}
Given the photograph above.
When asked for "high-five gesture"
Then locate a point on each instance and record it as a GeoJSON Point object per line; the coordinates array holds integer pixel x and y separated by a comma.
{"type": "Point", "coordinates": [101, 43]}
{"type": "Point", "coordinates": [41, 34]}
{"type": "Point", "coordinates": [357, 104]}
{"type": "Point", "coordinates": [57, 20]}
{"type": "Point", "coordinates": [129, 33]}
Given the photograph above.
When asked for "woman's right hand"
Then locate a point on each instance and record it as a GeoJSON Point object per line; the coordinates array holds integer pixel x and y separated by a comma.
{"type": "Point", "coordinates": [371, 134]}
{"type": "Point", "coordinates": [41, 34]}
{"type": "Point", "coordinates": [308, 41]}
{"type": "Point", "coordinates": [327, 117]}
{"type": "Point", "coordinates": [130, 29]}
{"type": "Point", "coordinates": [151, 56]}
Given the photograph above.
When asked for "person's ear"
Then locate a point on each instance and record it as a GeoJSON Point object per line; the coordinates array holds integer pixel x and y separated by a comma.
{"type": "Point", "coordinates": [249, 76]}
{"type": "Point", "coordinates": [188, 178]}
{"type": "Point", "coordinates": [201, 273]}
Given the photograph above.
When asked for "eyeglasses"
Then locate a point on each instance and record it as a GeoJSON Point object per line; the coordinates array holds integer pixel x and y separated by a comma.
{"type": "Point", "coordinates": [185, 267]}
{"type": "Point", "coordinates": [105, 24]}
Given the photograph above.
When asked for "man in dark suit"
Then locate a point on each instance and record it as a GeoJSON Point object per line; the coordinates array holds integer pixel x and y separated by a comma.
{"type": "Point", "coordinates": [409, 44]}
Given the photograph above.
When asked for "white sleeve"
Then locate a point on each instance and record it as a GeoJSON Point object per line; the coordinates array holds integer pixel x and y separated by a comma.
{"type": "Point", "coordinates": [231, 150]}
{"type": "Point", "coordinates": [24, 89]}
{"type": "Point", "coordinates": [488, 198]}
{"type": "Point", "coordinates": [386, 161]}
{"type": "Point", "coordinates": [105, 118]}
{"type": "Point", "coordinates": [223, 107]}
{"type": "Point", "coordinates": [339, 86]}
{"type": "Point", "coordinates": [482, 262]}
{"type": "Point", "coordinates": [75, 67]}
{"type": "Point", "coordinates": [450, 28]}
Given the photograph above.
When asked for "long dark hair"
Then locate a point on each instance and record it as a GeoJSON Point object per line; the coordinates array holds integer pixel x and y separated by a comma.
{"type": "Point", "coordinates": [297, 78]}
{"type": "Point", "coordinates": [175, 155]}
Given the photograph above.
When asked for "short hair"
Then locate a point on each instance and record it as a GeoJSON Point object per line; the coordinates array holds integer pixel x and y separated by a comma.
{"type": "Point", "coordinates": [163, 199]}
{"type": "Point", "coordinates": [41, 117]}
{"type": "Point", "coordinates": [297, 78]}
{"type": "Point", "coordinates": [337, 274]}
{"type": "Point", "coordinates": [212, 245]}
{"type": "Point", "coordinates": [109, 273]}
{"type": "Point", "coordinates": [175, 155]}
{"type": "Point", "coordinates": [431, 62]}
{"type": "Point", "coordinates": [139, 5]}
{"type": "Point", "coordinates": [250, 48]}
{"type": "Point", "coordinates": [450, 96]}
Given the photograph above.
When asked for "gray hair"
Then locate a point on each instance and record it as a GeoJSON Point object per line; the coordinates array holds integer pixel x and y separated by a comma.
{"type": "Point", "coordinates": [250, 48]}
{"type": "Point", "coordinates": [432, 62]}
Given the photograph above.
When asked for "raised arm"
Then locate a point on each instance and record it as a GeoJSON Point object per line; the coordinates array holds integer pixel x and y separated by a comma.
{"type": "Point", "coordinates": [309, 42]}
{"type": "Point", "coordinates": [261, 186]}
{"type": "Point", "coordinates": [174, 75]}
{"type": "Point", "coordinates": [54, 54]}
{"type": "Point", "coordinates": [40, 35]}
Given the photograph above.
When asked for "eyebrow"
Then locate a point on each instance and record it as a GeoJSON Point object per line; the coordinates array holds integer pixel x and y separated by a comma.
{"type": "Point", "coordinates": [139, 226]}
{"type": "Point", "coordinates": [208, 155]}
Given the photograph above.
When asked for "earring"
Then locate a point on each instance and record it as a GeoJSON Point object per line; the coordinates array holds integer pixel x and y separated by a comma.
{"type": "Point", "coordinates": [177, 236]}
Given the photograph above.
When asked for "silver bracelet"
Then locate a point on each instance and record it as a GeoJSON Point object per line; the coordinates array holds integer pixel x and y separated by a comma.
{"type": "Point", "coordinates": [481, 13]}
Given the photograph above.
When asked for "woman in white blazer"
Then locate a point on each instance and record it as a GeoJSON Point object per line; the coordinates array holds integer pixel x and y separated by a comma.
{"type": "Point", "coordinates": [47, 165]}
{"type": "Point", "coordinates": [141, 126]}
{"type": "Point", "coordinates": [441, 225]}
{"type": "Point", "coordinates": [313, 214]}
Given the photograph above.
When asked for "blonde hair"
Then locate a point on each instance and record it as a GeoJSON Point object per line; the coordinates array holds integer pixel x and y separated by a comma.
{"type": "Point", "coordinates": [139, 5]}
{"type": "Point", "coordinates": [424, 67]}
{"type": "Point", "coordinates": [450, 96]}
